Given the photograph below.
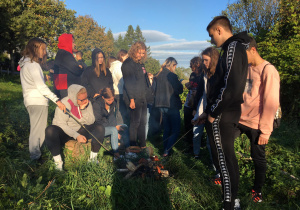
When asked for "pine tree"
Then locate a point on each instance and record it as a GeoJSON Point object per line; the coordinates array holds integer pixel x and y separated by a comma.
{"type": "Point", "coordinates": [129, 38]}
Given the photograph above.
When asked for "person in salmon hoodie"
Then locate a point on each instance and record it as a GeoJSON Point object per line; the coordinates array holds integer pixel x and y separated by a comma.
{"type": "Point", "coordinates": [66, 69]}
{"type": "Point", "coordinates": [261, 101]}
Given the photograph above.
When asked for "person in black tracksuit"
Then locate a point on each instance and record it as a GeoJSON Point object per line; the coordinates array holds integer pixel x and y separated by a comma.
{"type": "Point", "coordinates": [134, 92]}
{"type": "Point", "coordinates": [66, 69]}
{"type": "Point", "coordinates": [224, 99]}
{"type": "Point", "coordinates": [95, 80]}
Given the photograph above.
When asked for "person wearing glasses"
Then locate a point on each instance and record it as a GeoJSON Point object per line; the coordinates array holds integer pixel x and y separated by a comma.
{"type": "Point", "coordinates": [65, 128]}
{"type": "Point", "coordinates": [168, 89]}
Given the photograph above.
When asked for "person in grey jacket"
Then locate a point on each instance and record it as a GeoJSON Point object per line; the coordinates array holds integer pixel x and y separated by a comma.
{"type": "Point", "coordinates": [168, 89]}
{"type": "Point", "coordinates": [36, 93]}
{"type": "Point", "coordinates": [64, 127]}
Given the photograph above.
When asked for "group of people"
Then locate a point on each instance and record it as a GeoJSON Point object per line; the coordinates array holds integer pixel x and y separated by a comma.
{"type": "Point", "coordinates": [231, 91]}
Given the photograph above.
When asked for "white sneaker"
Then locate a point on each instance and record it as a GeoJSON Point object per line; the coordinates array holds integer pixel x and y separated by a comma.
{"type": "Point", "coordinates": [130, 155]}
{"type": "Point", "coordinates": [237, 205]}
{"type": "Point", "coordinates": [94, 160]}
{"type": "Point", "coordinates": [59, 165]}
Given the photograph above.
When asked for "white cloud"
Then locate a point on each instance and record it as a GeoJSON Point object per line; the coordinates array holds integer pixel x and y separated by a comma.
{"type": "Point", "coordinates": [152, 36]}
{"type": "Point", "coordinates": [193, 45]}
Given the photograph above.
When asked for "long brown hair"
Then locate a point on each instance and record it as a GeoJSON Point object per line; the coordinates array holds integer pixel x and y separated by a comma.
{"type": "Point", "coordinates": [100, 67]}
{"type": "Point", "coordinates": [135, 48]}
{"type": "Point", "coordinates": [121, 54]}
{"type": "Point", "coordinates": [213, 53]}
{"type": "Point", "coordinates": [32, 50]}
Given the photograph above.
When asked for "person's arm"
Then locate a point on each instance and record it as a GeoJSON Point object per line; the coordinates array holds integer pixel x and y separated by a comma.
{"type": "Point", "coordinates": [129, 79]}
{"type": "Point", "coordinates": [88, 114]}
{"type": "Point", "coordinates": [61, 120]}
{"type": "Point", "coordinates": [234, 80]}
{"type": "Point", "coordinates": [271, 85]}
{"type": "Point", "coordinates": [176, 84]}
{"type": "Point", "coordinates": [69, 63]}
{"type": "Point", "coordinates": [38, 79]}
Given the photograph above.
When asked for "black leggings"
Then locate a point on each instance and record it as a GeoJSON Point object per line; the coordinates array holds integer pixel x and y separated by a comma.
{"type": "Point", "coordinates": [221, 136]}
{"type": "Point", "coordinates": [137, 128]}
{"type": "Point", "coordinates": [257, 153]}
{"type": "Point", "coordinates": [56, 137]}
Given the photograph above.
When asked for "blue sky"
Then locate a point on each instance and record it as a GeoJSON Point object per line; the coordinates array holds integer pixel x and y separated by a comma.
{"type": "Point", "coordinates": [174, 28]}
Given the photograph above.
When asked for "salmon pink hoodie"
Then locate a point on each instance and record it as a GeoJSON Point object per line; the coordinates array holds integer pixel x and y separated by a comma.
{"type": "Point", "coordinates": [261, 98]}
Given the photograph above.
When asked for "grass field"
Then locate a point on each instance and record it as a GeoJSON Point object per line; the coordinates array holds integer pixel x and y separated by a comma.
{"type": "Point", "coordinates": [27, 185]}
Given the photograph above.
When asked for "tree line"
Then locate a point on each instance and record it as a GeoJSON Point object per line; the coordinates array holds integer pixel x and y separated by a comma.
{"type": "Point", "coordinates": [273, 23]}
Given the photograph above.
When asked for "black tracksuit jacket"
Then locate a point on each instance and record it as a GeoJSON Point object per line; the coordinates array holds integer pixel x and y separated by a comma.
{"type": "Point", "coordinates": [226, 86]}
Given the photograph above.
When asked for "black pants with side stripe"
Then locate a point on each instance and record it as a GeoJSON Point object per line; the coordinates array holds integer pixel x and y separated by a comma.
{"type": "Point", "coordinates": [221, 136]}
{"type": "Point", "coordinates": [258, 155]}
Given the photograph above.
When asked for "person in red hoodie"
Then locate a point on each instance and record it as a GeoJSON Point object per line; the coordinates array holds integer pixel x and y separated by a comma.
{"type": "Point", "coordinates": [261, 101]}
{"type": "Point", "coordinates": [66, 69]}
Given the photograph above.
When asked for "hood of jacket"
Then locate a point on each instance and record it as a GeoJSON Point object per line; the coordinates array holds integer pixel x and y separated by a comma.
{"type": "Point", "coordinates": [24, 60]}
{"type": "Point", "coordinates": [73, 91]}
{"type": "Point", "coordinates": [115, 64]}
{"type": "Point", "coordinates": [94, 53]}
{"type": "Point", "coordinates": [65, 42]}
{"type": "Point", "coordinates": [242, 37]}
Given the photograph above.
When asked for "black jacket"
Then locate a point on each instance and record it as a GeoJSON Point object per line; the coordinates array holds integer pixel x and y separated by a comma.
{"type": "Point", "coordinates": [66, 70]}
{"type": "Point", "coordinates": [91, 82]}
{"type": "Point", "coordinates": [168, 89]}
{"type": "Point", "coordinates": [135, 86]}
{"type": "Point", "coordinates": [102, 116]}
{"type": "Point", "coordinates": [226, 86]}
{"type": "Point", "coordinates": [82, 63]}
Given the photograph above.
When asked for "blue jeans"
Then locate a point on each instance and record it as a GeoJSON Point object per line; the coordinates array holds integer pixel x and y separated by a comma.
{"type": "Point", "coordinates": [113, 133]}
{"type": "Point", "coordinates": [149, 108]}
{"type": "Point", "coordinates": [198, 132]}
{"type": "Point", "coordinates": [171, 122]}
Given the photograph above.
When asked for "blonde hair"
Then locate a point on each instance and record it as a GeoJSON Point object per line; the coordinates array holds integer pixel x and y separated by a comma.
{"type": "Point", "coordinates": [135, 48]}
{"type": "Point", "coordinates": [32, 50]}
{"type": "Point", "coordinates": [169, 62]}
{"type": "Point", "coordinates": [100, 67]}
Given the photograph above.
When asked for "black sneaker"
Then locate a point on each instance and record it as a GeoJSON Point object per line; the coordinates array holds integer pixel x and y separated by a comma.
{"type": "Point", "coordinates": [256, 197]}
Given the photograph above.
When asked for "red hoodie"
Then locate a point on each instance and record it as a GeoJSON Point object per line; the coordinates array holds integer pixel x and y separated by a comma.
{"type": "Point", "coordinates": [65, 42]}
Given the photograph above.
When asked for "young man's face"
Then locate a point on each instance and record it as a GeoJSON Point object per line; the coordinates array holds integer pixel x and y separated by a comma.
{"type": "Point", "coordinates": [215, 36]}
{"type": "Point", "coordinates": [250, 55]}
{"type": "Point", "coordinates": [78, 57]}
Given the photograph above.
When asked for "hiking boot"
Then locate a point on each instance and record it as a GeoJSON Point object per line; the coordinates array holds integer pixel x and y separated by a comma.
{"type": "Point", "coordinates": [256, 197]}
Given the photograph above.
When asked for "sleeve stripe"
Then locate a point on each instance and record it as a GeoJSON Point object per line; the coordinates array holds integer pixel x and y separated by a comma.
{"type": "Point", "coordinates": [229, 61]}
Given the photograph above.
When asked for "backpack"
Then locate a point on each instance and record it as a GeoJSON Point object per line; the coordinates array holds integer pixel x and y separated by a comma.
{"type": "Point", "coordinates": [278, 114]}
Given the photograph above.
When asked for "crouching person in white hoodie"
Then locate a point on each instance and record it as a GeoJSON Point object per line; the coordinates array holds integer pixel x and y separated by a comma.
{"type": "Point", "coordinates": [64, 127]}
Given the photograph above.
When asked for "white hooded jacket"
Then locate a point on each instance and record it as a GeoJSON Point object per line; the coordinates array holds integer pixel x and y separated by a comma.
{"type": "Point", "coordinates": [117, 76]}
{"type": "Point", "coordinates": [35, 91]}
